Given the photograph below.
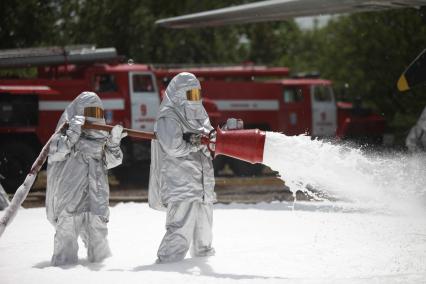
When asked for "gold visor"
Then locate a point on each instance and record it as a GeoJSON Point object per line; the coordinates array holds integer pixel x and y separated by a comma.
{"type": "Point", "coordinates": [95, 112]}
{"type": "Point", "coordinates": [193, 95]}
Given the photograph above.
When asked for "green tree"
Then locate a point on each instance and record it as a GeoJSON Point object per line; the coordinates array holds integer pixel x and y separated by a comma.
{"type": "Point", "coordinates": [367, 52]}
{"type": "Point", "coordinates": [268, 42]}
{"type": "Point", "coordinates": [129, 26]}
{"type": "Point", "coordinates": [26, 23]}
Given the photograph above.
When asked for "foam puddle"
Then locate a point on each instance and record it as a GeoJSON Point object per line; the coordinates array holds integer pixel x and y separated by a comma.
{"type": "Point", "coordinates": [393, 182]}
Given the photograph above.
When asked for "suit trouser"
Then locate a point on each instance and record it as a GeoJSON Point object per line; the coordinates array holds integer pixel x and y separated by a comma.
{"type": "Point", "coordinates": [93, 231]}
{"type": "Point", "coordinates": [187, 223]}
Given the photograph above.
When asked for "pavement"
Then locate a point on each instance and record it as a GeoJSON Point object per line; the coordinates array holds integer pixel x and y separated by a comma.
{"type": "Point", "coordinates": [228, 190]}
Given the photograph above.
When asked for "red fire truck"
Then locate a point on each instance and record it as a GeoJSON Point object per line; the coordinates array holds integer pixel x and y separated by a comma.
{"type": "Point", "coordinates": [291, 106]}
{"type": "Point", "coordinates": [131, 93]}
{"type": "Point", "coordinates": [31, 107]}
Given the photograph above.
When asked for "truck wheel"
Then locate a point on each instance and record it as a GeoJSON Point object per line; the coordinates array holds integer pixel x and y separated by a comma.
{"type": "Point", "coordinates": [134, 174]}
{"type": "Point", "coordinates": [16, 159]}
{"type": "Point", "coordinates": [218, 164]}
{"type": "Point", "coordinates": [241, 168]}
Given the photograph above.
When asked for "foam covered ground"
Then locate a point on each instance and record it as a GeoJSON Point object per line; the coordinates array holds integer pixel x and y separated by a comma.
{"type": "Point", "coordinates": [263, 243]}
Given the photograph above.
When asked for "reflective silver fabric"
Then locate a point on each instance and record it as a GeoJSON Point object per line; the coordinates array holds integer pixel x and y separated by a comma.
{"type": "Point", "coordinates": [181, 174]}
{"type": "Point", "coordinates": [93, 231]}
{"type": "Point", "coordinates": [416, 139]}
{"type": "Point", "coordinates": [188, 225]}
{"type": "Point", "coordinates": [4, 200]}
{"type": "Point", "coordinates": [77, 181]}
{"type": "Point", "coordinates": [180, 171]}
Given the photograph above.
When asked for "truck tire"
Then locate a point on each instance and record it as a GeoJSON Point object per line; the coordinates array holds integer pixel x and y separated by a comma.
{"type": "Point", "coordinates": [16, 159]}
{"type": "Point", "coordinates": [241, 168]}
{"type": "Point", "coordinates": [218, 164]}
{"type": "Point", "coordinates": [136, 174]}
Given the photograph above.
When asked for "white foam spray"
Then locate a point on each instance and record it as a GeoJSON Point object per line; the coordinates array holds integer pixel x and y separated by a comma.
{"type": "Point", "coordinates": [393, 182]}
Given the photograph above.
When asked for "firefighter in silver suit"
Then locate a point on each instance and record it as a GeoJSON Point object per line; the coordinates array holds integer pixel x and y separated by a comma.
{"type": "Point", "coordinates": [181, 173]}
{"type": "Point", "coordinates": [77, 194]}
{"type": "Point", "coordinates": [416, 139]}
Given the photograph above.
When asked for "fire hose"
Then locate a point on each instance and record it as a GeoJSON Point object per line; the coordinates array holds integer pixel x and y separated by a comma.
{"type": "Point", "coordinates": [22, 191]}
{"type": "Point", "coordinates": [246, 145]}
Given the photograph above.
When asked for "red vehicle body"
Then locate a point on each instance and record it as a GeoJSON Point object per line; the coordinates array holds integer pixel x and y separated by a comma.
{"type": "Point", "coordinates": [131, 93]}
{"type": "Point", "coordinates": [292, 106]}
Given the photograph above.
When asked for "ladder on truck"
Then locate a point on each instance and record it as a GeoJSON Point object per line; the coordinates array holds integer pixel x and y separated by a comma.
{"type": "Point", "coordinates": [55, 55]}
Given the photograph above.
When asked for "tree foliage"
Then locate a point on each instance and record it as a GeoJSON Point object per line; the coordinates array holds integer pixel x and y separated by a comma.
{"type": "Point", "coordinates": [368, 52]}
{"type": "Point", "coordinates": [363, 53]}
{"type": "Point", "coordinates": [129, 26]}
{"type": "Point", "coordinates": [26, 23]}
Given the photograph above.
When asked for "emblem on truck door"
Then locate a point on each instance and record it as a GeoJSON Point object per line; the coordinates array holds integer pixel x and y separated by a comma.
{"type": "Point", "coordinates": [143, 109]}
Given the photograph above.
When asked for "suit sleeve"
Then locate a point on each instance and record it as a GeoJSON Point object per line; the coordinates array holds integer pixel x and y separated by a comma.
{"type": "Point", "coordinates": [61, 145]}
{"type": "Point", "coordinates": [113, 155]}
{"type": "Point", "coordinates": [169, 134]}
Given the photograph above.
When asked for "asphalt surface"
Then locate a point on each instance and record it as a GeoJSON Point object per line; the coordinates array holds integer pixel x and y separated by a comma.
{"type": "Point", "coordinates": [228, 190]}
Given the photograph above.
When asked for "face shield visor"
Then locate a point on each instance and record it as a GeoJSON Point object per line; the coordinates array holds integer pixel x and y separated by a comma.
{"type": "Point", "coordinates": [94, 112]}
{"type": "Point", "coordinates": [94, 115]}
{"type": "Point", "coordinates": [195, 113]}
{"type": "Point", "coordinates": [193, 95]}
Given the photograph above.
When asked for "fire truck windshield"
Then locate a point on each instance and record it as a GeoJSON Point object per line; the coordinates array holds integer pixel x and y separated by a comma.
{"type": "Point", "coordinates": [104, 83]}
{"type": "Point", "coordinates": [142, 83]}
{"type": "Point", "coordinates": [323, 93]}
{"type": "Point", "coordinates": [293, 95]}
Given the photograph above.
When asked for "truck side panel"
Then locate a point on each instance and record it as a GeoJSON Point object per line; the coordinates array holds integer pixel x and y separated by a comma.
{"type": "Point", "coordinates": [256, 103]}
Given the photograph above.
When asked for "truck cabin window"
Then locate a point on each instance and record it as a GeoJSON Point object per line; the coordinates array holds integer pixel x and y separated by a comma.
{"type": "Point", "coordinates": [104, 83]}
{"type": "Point", "coordinates": [142, 83]}
{"type": "Point", "coordinates": [323, 94]}
{"type": "Point", "coordinates": [293, 95]}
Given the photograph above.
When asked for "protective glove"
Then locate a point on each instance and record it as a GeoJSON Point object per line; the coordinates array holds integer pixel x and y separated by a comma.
{"type": "Point", "coordinates": [116, 135]}
{"type": "Point", "coordinates": [233, 124]}
{"type": "Point", "coordinates": [74, 128]}
{"type": "Point", "coordinates": [212, 144]}
{"type": "Point", "coordinates": [193, 139]}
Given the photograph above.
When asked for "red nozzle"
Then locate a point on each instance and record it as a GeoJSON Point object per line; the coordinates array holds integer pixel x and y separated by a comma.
{"type": "Point", "coordinates": [246, 144]}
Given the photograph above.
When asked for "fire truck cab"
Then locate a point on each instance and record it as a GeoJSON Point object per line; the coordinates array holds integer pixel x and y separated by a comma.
{"type": "Point", "coordinates": [290, 106]}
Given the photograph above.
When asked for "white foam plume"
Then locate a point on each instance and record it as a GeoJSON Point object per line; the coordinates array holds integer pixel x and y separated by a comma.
{"type": "Point", "coordinates": [386, 181]}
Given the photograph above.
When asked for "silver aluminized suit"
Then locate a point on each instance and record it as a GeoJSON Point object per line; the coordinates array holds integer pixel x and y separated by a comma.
{"type": "Point", "coordinates": [77, 195]}
{"type": "Point", "coordinates": [181, 174]}
{"type": "Point", "coordinates": [416, 139]}
{"type": "Point", "coordinates": [4, 200]}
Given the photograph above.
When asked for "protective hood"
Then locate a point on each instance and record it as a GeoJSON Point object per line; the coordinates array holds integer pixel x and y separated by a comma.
{"type": "Point", "coordinates": [77, 106]}
{"type": "Point", "coordinates": [191, 113]}
{"type": "Point", "coordinates": [422, 120]}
